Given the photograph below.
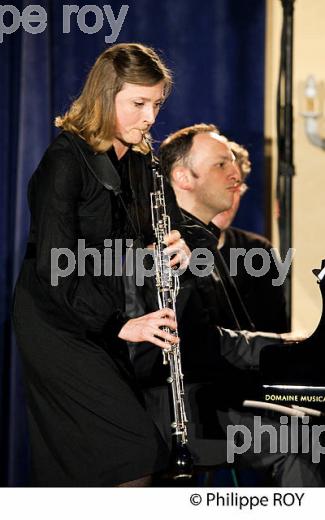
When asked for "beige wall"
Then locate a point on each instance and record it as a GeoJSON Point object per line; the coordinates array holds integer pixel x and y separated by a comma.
{"type": "Point", "coordinates": [309, 182]}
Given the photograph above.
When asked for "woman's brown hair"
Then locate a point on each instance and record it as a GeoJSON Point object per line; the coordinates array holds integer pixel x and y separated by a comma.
{"type": "Point", "coordinates": [92, 114]}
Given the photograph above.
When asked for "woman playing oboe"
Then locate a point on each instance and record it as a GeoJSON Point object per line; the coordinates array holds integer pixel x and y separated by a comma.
{"type": "Point", "coordinates": [87, 424]}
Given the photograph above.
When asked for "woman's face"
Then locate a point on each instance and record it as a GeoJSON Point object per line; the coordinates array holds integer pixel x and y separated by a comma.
{"type": "Point", "coordinates": [136, 109]}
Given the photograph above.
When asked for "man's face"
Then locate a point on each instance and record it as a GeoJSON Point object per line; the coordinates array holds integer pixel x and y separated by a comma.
{"type": "Point", "coordinates": [215, 175]}
{"type": "Point", "coordinates": [224, 219]}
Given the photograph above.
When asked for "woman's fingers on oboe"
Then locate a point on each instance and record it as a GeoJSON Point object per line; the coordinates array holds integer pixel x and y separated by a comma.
{"type": "Point", "coordinates": [165, 322]}
{"type": "Point", "coordinates": [158, 342]}
{"type": "Point", "coordinates": [164, 313]}
{"type": "Point", "coordinates": [161, 338]}
{"type": "Point", "coordinates": [181, 259]}
{"type": "Point", "coordinates": [172, 237]}
{"type": "Point", "coordinates": [168, 337]}
{"type": "Point", "coordinates": [150, 328]}
{"type": "Point", "coordinates": [177, 249]}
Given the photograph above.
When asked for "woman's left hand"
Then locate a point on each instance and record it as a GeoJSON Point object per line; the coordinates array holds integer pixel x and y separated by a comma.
{"type": "Point", "coordinates": [177, 246]}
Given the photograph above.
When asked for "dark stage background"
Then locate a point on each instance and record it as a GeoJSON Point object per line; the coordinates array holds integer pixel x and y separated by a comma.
{"type": "Point", "coordinates": [216, 50]}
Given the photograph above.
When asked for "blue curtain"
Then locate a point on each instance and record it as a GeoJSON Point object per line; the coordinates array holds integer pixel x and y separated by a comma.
{"type": "Point", "coordinates": [216, 50]}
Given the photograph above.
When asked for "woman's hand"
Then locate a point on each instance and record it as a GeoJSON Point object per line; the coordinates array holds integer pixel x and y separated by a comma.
{"type": "Point", "coordinates": [148, 328]}
{"type": "Point", "coordinates": [178, 247]}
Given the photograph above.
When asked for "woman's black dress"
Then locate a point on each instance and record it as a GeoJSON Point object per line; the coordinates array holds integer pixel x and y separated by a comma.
{"type": "Point", "coordinates": [88, 426]}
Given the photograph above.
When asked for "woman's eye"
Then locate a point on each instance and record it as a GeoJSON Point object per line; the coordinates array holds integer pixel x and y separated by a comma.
{"type": "Point", "coordinates": [159, 104]}
{"type": "Point", "coordinates": [138, 104]}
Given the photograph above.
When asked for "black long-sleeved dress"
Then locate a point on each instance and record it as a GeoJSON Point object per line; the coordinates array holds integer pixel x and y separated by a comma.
{"type": "Point", "coordinates": [88, 426]}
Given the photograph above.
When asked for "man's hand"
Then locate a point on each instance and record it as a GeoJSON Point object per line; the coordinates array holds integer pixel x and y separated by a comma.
{"type": "Point", "coordinates": [292, 337]}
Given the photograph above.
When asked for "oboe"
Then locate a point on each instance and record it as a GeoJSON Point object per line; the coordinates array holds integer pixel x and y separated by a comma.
{"type": "Point", "coordinates": [167, 283]}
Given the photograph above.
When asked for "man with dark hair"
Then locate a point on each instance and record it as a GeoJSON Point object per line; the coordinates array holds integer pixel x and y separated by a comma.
{"type": "Point", "coordinates": [219, 364]}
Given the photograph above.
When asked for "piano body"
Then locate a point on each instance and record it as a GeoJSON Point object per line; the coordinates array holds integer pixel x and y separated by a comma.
{"type": "Point", "coordinates": [294, 374]}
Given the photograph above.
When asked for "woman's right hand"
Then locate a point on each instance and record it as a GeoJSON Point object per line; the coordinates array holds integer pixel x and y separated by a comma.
{"type": "Point", "coordinates": [149, 328]}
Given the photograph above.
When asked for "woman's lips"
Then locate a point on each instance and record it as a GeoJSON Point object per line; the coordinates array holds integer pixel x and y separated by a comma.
{"type": "Point", "coordinates": [234, 187]}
